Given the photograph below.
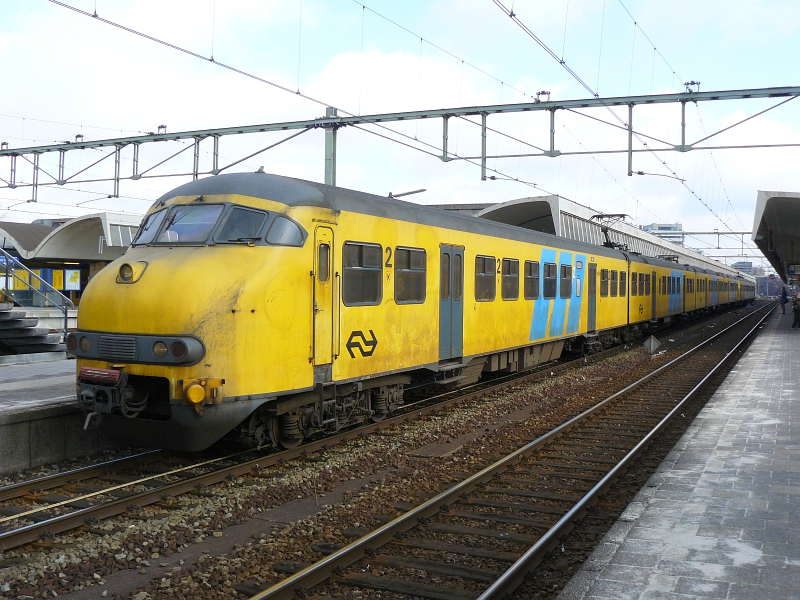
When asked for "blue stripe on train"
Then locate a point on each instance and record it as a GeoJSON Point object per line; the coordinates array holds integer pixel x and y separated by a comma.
{"type": "Point", "coordinates": [574, 319]}
{"type": "Point", "coordinates": [541, 307]}
{"type": "Point", "coordinates": [559, 314]}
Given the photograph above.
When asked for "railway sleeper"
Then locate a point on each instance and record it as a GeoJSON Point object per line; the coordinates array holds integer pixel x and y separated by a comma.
{"type": "Point", "coordinates": [408, 588]}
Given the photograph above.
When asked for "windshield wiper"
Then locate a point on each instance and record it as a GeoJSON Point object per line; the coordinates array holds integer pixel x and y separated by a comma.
{"type": "Point", "coordinates": [246, 239]}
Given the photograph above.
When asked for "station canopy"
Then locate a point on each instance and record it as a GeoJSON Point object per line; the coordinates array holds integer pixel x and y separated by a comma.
{"type": "Point", "coordinates": [776, 232]}
{"type": "Point", "coordinates": [574, 221]}
{"type": "Point", "coordinates": [90, 238]}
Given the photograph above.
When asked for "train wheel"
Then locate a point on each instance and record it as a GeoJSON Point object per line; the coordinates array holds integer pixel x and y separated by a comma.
{"type": "Point", "coordinates": [286, 432]}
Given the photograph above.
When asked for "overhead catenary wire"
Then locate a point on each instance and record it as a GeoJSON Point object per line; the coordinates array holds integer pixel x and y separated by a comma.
{"type": "Point", "coordinates": [250, 75]}
{"type": "Point", "coordinates": [533, 36]}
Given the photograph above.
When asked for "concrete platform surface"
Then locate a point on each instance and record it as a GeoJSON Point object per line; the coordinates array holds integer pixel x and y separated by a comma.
{"type": "Point", "coordinates": [721, 516]}
{"type": "Point", "coordinates": [35, 385]}
{"type": "Point", "coordinates": [40, 421]}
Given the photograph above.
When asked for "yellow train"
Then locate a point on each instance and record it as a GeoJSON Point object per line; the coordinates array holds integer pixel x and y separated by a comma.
{"type": "Point", "coordinates": [282, 307]}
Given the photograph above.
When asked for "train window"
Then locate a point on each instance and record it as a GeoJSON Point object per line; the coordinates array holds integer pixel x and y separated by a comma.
{"type": "Point", "coordinates": [444, 286]}
{"type": "Point", "coordinates": [409, 275]}
{"type": "Point", "coordinates": [550, 276]}
{"type": "Point", "coordinates": [485, 281]}
{"type": "Point", "coordinates": [190, 224]}
{"type": "Point", "coordinates": [363, 274]}
{"type": "Point", "coordinates": [603, 283]}
{"type": "Point", "coordinates": [566, 281]}
{"type": "Point", "coordinates": [646, 285]}
{"type": "Point", "coordinates": [241, 225]}
{"type": "Point", "coordinates": [634, 285]}
{"type": "Point", "coordinates": [510, 282]}
{"type": "Point", "coordinates": [323, 262]}
{"type": "Point", "coordinates": [614, 283]}
{"type": "Point", "coordinates": [531, 280]}
{"type": "Point", "coordinates": [679, 284]}
{"type": "Point", "coordinates": [285, 232]}
{"type": "Point", "coordinates": [458, 277]}
{"type": "Point", "coordinates": [623, 283]}
{"type": "Point", "coordinates": [148, 229]}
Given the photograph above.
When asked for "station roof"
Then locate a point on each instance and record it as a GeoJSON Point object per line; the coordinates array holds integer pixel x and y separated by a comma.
{"type": "Point", "coordinates": [776, 231]}
{"type": "Point", "coordinates": [570, 220]}
{"type": "Point", "coordinates": [92, 238]}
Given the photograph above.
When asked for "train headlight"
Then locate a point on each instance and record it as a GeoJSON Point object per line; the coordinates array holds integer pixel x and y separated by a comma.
{"type": "Point", "coordinates": [126, 272]}
{"type": "Point", "coordinates": [160, 349]}
{"type": "Point", "coordinates": [178, 350]}
{"type": "Point", "coordinates": [72, 343]}
{"type": "Point", "coordinates": [84, 344]}
{"type": "Point", "coordinates": [195, 393]}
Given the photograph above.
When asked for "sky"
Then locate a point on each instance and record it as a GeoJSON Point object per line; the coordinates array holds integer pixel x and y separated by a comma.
{"type": "Point", "coordinates": [66, 74]}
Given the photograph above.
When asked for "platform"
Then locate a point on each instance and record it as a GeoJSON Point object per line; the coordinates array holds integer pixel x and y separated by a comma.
{"type": "Point", "coordinates": [40, 422]}
{"type": "Point", "coordinates": [721, 516]}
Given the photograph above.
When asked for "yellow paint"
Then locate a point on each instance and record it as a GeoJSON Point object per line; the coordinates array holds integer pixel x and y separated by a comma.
{"type": "Point", "coordinates": [254, 306]}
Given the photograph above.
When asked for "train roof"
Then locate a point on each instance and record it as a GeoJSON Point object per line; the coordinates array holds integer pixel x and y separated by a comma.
{"type": "Point", "coordinates": [299, 192]}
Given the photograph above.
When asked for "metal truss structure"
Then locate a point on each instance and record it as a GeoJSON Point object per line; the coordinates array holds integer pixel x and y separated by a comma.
{"type": "Point", "coordinates": [331, 123]}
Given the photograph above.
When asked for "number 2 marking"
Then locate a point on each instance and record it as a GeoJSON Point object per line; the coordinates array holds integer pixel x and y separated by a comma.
{"type": "Point", "coordinates": [388, 257]}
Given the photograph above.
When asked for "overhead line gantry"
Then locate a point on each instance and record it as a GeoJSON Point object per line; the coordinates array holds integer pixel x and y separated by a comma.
{"type": "Point", "coordinates": [332, 122]}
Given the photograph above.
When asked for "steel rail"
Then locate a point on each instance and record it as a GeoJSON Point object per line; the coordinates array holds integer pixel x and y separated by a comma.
{"type": "Point", "coordinates": [61, 523]}
{"type": "Point", "coordinates": [321, 570]}
{"type": "Point", "coordinates": [514, 576]}
{"type": "Point", "coordinates": [15, 490]}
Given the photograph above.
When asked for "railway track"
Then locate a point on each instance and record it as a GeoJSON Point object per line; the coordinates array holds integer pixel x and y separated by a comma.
{"type": "Point", "coordinates": [65, 501]}
{"type": "Point", "coordinates": [480, 537]}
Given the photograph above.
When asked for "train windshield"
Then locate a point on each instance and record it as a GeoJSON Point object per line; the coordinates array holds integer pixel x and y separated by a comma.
{"type": "Point", "coordinates": [149, 228]}
{"type": "Point", "coordinates": [190, 224]}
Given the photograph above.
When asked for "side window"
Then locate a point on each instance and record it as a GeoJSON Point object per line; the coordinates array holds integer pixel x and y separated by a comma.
{"type": "Point", "coordinates": [485, 281]}
{"type": "Point", "coordinates": [531, 280]}
{"type": "Point", "coordinates": [566, 281]}
{"type": "Point", "coordinates": [323, 262]}
{"type": "Point", "coordinates": [363, 274]}
{"type": "Point", "coordinates": [679, 284]}
{"type": "Point", "coordinates": [444, 286]}
{"type": "Point", "coordinates": [634, 284]}
{"type": "Point", "coordinates": [647, 285]}
{"type": "Point", "coordinates": [458, 277]}
{"type": "Point", "coordinates": [409, 275]}
{"type": "Point", "coordinates": [623, 283]}
{"type": "Point", "coordinates": [603, 283]}
{"type": "Point", "coordinates": [614, 283]}
{"type": "Point", "coordinates": [550, 276]}
{"type": "Point", "coordinates": [285, 232]}
{"type": "Point", "coordinates": [510, 281]}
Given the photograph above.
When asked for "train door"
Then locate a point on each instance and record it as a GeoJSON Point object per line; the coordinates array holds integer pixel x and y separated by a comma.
{"type": "Point", "coordinates": [591, 293]}
{"type": "Point", "coordinates": [451, 302]}
{"type": "Point", "coordinates": [323, 297]}
{"type": "Point", "coordinates": [653, 287]}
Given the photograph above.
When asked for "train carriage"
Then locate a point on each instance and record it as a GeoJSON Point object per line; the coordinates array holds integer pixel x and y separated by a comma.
{"type": "Point", "coordinates": [279, 307]}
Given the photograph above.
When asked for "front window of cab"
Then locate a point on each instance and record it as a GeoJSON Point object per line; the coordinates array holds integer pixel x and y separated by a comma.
{"type": "Point", "coordinates": [190, 224]}
{"type": "Point", "coordinates": [193, 224]}
{"type": "Point", "coordinates": [147, 232]}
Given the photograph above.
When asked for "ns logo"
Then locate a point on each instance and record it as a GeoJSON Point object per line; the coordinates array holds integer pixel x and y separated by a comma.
{"type": "Point", "coordinates": [358, 341]}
